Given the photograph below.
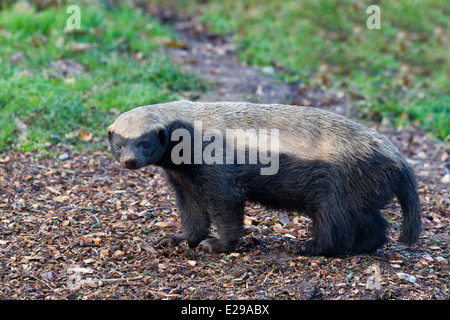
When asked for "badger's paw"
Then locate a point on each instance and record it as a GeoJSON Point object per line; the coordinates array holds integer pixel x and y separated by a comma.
{"type": "Point", "coordinates": [170, 241]}
{"type": "Point", "coordinates": [213, 245]}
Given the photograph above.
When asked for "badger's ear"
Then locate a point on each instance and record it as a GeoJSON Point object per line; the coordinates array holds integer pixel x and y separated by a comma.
{"type": "Point", "coordinates": [110, 134]}
{"type": "Point", "coordinates": [162, 133]}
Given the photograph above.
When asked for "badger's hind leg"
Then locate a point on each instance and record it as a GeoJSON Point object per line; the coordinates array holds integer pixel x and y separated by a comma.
{"type": "Point", "coordinates": [370, 232]}
{"type": "Point", "coordinates": [333, 232]}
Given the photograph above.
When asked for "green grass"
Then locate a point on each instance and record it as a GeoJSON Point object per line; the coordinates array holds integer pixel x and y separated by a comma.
{"type": "Point", "coordinates": [124, 68]}
{"type": "Point", "coordinates": [400, 72]}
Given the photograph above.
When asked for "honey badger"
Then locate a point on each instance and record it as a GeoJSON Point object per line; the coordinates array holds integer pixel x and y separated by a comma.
{"type": "Point", "coordinates": [333, 170]}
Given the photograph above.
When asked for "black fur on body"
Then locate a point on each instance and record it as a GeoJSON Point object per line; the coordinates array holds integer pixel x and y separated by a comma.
{"type": "Point", "coordinates": [342, 192]}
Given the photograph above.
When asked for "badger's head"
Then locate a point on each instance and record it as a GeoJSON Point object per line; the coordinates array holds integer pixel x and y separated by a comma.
{"type": "Point", "coordinates": [138, 138]}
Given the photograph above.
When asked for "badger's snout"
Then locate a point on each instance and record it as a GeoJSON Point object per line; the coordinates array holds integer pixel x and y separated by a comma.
{"type": "Point", "coordinates": [130, 163]}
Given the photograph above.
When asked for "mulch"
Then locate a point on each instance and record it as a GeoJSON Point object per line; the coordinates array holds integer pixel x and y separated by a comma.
{"type": "Point", "coordinates": [79, 226]}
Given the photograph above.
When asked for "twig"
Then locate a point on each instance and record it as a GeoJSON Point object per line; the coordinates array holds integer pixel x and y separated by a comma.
{"type": "Point", "coordinates": [121, 279]}
{"type": "Point", "coordinates": [89, 210]}
{"type": "Point", "coordinates": [96, 219]}
{"type": "Point", "coordinates": [271, 271]}
{"type": "Point", "coordinates": [42, 281]}
{"type": "Point", "coordinates": [170, 295]}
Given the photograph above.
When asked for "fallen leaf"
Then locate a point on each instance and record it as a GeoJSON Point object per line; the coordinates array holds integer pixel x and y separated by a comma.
{"type": "Point", "coordinates": [5, 159]}
{"type": "Point", "coordinates": [22, 128]}
{"type": "Point", "coordinates": [171, 43]}
{"type": "Point", "coordinates": [118, 253]}
{"type": "Point", "coordinates": [70, 80]}
{"type": "Point", "coordinates": [147, 247]}
{"type": "Point", "coordinates": [248, 221]}
{"type": "Point", "coordinates": [64, 156]}
{"type": "Point", "coordinates": [278, 227]}
{"type": "Point", "coordinates": [78, 269]}
{"type": "Point", "coordinates": [27, 259]}
{"type": "Point", "coordinates": [166, 224]}
{"type": "Point", "coordinates": [60, 42]}
{"type": "Point", "coordinates": [396, 261]}
{"type": "Point", "coordinates": [78, 47]}
{"type": "Point", "coordinates": [177, 44]}
{"type": "Point", "coordinates": [85, 136]}
{"type": "Point", "coordinates": [404, 115]}
{"type": "Point", "coordinates": [428, 257]}
{"type": "Point", "coordinates": [90, 283]}
{"type": "Point", "coordinates": [192, 262]}
{"type": "Point", "coordinates": [61, 199]}
{"type": "Point", "coordinates": [407, 277]}
{"type": "Point", "coordinates": [67, 67]}
{"type": "Point", "coordinates": [326, 80]}
{"type": "Point", "coordinates": [52, 189]}
{"type": "Point", "coordinates": [407, 80]}
{"type": "Point", "coordinates": [72, 134]}
{"type": "Point", "coordinates": [16, 57]}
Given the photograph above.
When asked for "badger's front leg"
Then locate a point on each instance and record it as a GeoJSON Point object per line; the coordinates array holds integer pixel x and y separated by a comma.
{"type": "Point", "coordinates": [195, 220]}
{"type": "Point", "coordinates": [227, 214]}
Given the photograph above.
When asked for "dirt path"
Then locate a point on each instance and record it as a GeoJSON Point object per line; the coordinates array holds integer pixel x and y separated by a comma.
{"type": "Point", "coordinates": [82, 227]}
{"type": "Point", "coordinates": [215, 59]}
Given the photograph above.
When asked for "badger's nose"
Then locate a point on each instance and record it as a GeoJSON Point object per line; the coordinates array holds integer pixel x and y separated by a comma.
{"type": "Point", "coordinates": [130, 163]}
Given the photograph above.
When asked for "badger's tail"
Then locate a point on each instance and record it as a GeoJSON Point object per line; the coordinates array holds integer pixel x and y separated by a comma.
{"type": "Point", "coordinates": [406, 191]}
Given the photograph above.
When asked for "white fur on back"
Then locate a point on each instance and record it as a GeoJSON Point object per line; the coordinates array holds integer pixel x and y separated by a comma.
{"type": "Point", "coordinates": [307, 133]}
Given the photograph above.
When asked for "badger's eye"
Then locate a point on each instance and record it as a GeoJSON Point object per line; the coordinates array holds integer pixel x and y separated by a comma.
{"type": "Point", "coordinates": [146, 145]}
{"type": "Point", "coordinates": [118, 147]}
